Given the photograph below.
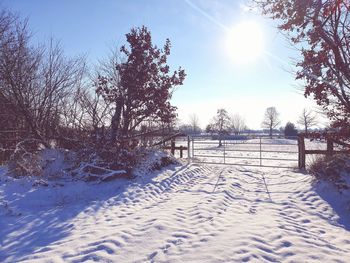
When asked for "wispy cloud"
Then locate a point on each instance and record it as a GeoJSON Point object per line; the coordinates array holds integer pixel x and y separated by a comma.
{"type": "Point", "coordinates": [206, 15]}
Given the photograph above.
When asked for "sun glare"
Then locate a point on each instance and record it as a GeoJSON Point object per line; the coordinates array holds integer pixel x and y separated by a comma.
{"type": "Point", "coordinates": [245, 42]}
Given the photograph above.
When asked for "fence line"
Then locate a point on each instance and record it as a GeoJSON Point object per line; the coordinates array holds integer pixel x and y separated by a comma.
{"type": "Point", "coordinates": [303, 152]}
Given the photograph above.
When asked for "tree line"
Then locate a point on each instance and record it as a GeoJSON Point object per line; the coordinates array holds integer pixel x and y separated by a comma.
{"type": "Point", "coordinates": [51, 91]}
{"type": "Point", "coordinates": [49, 96]}
{"type": "Point", "coordinates": [224, 123]}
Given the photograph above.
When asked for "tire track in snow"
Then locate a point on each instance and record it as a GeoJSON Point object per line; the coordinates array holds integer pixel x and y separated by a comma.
{"type": "Point", "coordinates": [148, 198]}
{"type": "Point", "coordinates": [259, 215]}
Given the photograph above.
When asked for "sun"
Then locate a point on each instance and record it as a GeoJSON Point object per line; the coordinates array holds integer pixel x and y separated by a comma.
{"type": "Point", "coordinates": [245, 42]}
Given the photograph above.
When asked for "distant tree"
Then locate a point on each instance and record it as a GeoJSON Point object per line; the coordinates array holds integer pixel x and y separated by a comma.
{"type": "Point", "coordinates": [290, 130]}
{"type": "Point", "coordinates": [185, 128]}
{"type": "Point", "coordinates": [209, 129]}
{"type": "Point", "coordinates": [238, 124]}
{"type": "Point", "coordinates": [307, 119]}
{"type": "Point", "coordinates": [194, 122]}
{"type": "Point", "coordinates": [271, 120]}
{"type": "Point", "coordinates": [145, 84]}
{"type": "Point", "coordinates": [320, 29]}
{"type": "Point", "coordinates": [281, 130]}
{"type": "Point", "coordinates": [221, 124]}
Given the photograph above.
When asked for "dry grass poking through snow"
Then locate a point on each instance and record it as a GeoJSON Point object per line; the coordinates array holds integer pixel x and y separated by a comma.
{"type": "Point", "coordinates": [334, 169]}
{"type": "Point", "coordinates": [192, 213]}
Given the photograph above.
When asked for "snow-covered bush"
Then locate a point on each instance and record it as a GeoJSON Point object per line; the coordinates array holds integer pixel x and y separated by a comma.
{"type": "Point", "coordinates": [335, 169]}
{"type": "Point", "coordinates": [152, 160]}
{"type": "Point", "coordinates": [89, 162]}
{"type": "Point", "coordinates": [26, 160]}
{"type": "Point", "coordinates": [124, 157]}
{"type": "Point", "coordinates": [114, 157]}
{"type": "Point", "coordinates": [32, 158]}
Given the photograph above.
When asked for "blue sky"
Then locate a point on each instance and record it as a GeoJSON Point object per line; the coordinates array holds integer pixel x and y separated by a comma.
{"type": "Point", "coordinates": [198, 30]}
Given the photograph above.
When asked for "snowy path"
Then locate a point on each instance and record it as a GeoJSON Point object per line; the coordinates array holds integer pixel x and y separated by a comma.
{"type": "Point", "coordinates": [196, 214]}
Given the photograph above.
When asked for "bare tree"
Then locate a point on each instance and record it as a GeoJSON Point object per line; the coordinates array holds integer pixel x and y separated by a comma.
{"type": "Point", "coordinates": [85, 112]}
{"type": "Point", "coordinates": [271, 120]}
{"type": "Point", "coordinates": [18, 67]}
{"type": "Point", "coordinates": [221, 124]}
{"type": "Point", "coordinates": [194, 122]}
{"type": "Point", "coordinates": [58, 78]}
{"type": "Point", "coordinates": [238, 124]}
{"type": "Point", "coordinates": [307, 119]}
{"type": "Point", "coordinates": [35, 81]}
{"type": "Point", "coordinates": [10, 121]}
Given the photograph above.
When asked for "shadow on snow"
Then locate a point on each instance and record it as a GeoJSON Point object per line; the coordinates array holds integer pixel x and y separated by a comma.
{"type": "Point", "coordinates": [33, 218]}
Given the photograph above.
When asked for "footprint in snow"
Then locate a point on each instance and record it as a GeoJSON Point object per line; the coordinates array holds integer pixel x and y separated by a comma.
{"type": "Point", "coordinates": [150, 257]}
{"type": "Point", "coordinates": [252, 210]}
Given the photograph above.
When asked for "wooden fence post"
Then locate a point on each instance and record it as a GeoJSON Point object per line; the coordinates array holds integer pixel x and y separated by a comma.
{"type": "Point", "coordinates": [188, 148]}
{"type": "Point", "coordinates": [172, 147]}
{"type": "Point", "coordinates": [301, 152]}
{"type": "Point", "coordinates": [192, 147]}
{"type": "Point", "coordinates": [299, 155]}
{"type": "Point", "coordinates": [260, 151]}
{"type": "Point", "coordinates": [330, 147]}
{"type": "Point", "coordinates": [224, 152]}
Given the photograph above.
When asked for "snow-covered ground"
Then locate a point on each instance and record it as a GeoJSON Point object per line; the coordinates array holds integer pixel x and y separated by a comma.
{"type": "Point", "coordinates": [190, 213]}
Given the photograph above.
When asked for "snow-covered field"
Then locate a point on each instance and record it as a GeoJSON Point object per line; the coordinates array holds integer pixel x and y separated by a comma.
{"type": "Point", "coordinates": [190, 213]}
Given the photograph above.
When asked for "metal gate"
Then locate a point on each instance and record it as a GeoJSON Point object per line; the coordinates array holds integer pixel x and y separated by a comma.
{"type": "Point", "coordinates": [260, 151]}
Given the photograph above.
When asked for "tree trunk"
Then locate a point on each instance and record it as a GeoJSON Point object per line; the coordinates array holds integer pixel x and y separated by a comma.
{"type": "Point", "coordinates": [126, 122]}
{"type": "Point", "coordinates": [220, 139]}
{"type": "Point", "coordinates": [126, 126]}
{"type": "Point", "coordinates": [115, 123]}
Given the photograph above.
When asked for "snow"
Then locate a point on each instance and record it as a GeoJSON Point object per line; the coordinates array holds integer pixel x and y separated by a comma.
{"type": "Point", "coordinates": [185, 213]}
